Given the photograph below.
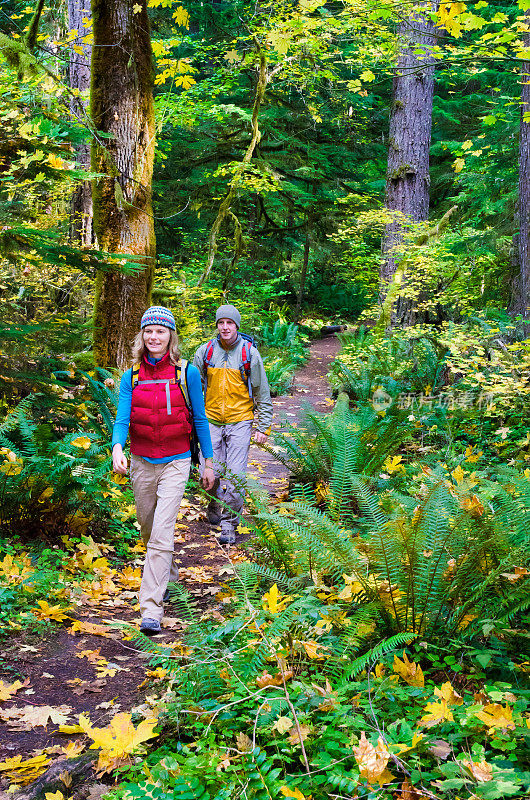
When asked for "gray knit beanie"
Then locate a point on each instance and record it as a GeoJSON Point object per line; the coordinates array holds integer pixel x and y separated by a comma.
{"type": "Point", "coordinates": [228, 312]}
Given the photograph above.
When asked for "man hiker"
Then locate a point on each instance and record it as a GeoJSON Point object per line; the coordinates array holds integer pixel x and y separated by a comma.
{"type": "Point", "coordinates": [236, 392]}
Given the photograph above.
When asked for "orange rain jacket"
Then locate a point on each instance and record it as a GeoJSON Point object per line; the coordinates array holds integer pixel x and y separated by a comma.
{"type": "Point", "coordinates": [227, 397]}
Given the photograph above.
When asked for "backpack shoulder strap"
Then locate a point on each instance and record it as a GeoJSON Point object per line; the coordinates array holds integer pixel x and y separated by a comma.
{"type": "Point", "coordinates": [248, 344]}
{"type": "Point", "coordinates": [244, 367]}
{"type": "Point", "coordinates": [134, 375]}
{"type": "Point", "coordinates": [208, 353]}
{"type": "Point", "coordinates": [181, 378]}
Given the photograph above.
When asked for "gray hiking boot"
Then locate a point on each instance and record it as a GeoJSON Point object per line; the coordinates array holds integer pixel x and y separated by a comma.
{"type": "Point", "coordinates": [227, 537]}
{"type": "Point", "coordinates": [150, 626]}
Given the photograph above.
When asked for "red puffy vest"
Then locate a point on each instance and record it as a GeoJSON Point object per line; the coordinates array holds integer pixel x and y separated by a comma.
{"type": "Point", "coordinates": [160, 423]}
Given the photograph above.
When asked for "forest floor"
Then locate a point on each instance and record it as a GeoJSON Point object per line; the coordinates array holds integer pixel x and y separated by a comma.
{"type": "Point", "coordinates": [89, 666]}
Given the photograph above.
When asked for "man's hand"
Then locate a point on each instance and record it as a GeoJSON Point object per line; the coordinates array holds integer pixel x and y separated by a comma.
{"type": "Point", "coordinates": [260, 437]}
{"type": "Point", "coordinates": [119, 462]}
{"type": "Point", "coordinates": [208, 479]}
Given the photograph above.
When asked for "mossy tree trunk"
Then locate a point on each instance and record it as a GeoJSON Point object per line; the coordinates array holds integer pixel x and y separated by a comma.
{"type": "Point", "coordinates": [79, 15]}
{"type": "Point", "coordinates": [122, 107]}
{"type": "Point", "coordinates": [521, 294]}
{"type": "Point", "coordinates": [407, 183]}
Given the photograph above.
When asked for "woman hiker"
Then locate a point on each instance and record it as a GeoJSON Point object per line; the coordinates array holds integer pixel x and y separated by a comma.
{"type": "Point", "coordinates": [154, 409]}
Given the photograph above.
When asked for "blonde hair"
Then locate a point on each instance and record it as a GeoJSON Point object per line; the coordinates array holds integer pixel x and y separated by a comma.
{"type": "Point", "coordinates": [139, 348]}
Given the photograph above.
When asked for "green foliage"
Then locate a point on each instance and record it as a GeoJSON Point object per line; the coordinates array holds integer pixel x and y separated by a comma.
{"type": "Point", "coordinates": [56, 472]}
{"type": "Point", "coordinates": [323, 447]}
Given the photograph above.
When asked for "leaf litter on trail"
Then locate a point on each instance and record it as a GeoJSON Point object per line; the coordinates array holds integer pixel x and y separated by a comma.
{"type": "Point", "coordinates": [34, 716]}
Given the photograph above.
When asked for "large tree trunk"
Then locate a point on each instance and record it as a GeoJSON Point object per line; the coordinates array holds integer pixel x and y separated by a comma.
{"type": "Point", "coordinates": [122, 105]}
{"type": "Point", "coordinates": [521, 294]}
{"type": "Point", "coordinates": [81, 228]}
{"type": "Point", "coordinates": [407, 184]}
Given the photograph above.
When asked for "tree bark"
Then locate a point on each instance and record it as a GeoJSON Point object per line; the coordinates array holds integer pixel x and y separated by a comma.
{"type": "Point", "coordinates": [122, 107]}
{"type": "Point", "coordinates": [81, 227]}
{"type": "Point", "coordinates": [521, 294]}
{"type": "Point", "coordinates": [303, 272]}
{"type": "Point", "coordinates": [407, 183]}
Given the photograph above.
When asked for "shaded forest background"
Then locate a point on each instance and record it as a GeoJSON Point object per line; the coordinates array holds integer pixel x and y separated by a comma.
{"type": "Point", "coordinates": [310, 151]}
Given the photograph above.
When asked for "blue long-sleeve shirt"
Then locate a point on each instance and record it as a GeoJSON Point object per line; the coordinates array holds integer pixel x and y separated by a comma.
{"type": "Point", "coordinates": [123, 417]}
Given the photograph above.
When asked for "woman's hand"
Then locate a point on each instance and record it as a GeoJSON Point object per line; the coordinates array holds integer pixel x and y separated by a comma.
{"type": "Point", "coordinates": [208, 478]}
{"type": "Point", "coordinates": [119, 462]}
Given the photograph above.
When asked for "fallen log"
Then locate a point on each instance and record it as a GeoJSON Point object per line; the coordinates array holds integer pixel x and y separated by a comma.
{"type": "Point", "coordinates": [67, 774]}
{"type": "Point", "coordinates": [326, 330]}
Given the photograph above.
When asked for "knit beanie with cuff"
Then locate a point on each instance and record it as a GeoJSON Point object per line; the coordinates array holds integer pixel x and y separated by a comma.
{"type": "Point", "coordinates": [228, 312]}
{"type": "Point", "coordinates": [158, 315]}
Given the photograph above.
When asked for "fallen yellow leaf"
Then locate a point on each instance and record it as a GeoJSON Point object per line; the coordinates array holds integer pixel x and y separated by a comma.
{"type": "Point", "coordinates": [372, 761]}
{"type": "Point", "coordinates": [496, 716]}
{"type": "Point", "coordinates": [408, 670]}
{"type": "Point", "coordinates": [118, 740]}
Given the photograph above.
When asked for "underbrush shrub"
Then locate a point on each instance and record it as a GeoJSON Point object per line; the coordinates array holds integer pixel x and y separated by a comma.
{"type": "Point", "coordinates": [55, 462]}
{"type": "Point", "coordinates": [465, 385]}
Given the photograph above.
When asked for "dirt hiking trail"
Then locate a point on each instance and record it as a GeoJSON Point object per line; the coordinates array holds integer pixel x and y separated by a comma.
{"type": "Point", "coordinates": [88, 666]}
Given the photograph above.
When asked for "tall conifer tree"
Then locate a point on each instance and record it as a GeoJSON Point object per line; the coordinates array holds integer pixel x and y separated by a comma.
{"type": "Point", "coordinates": [521, 295]}
{"type": "Point", "coordinates": [122, 109]}
{"type": "Point", "coordinates": [407, 183]}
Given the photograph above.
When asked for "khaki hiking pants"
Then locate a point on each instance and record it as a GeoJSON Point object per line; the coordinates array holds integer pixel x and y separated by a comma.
{"type": "Point", "coordinates": [230, 455]}
{"type": "Point", "coordinates": [158, 491]}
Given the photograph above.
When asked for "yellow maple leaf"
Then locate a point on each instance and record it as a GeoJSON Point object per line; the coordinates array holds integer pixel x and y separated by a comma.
{"type": "Point", "coordinates": [15, 570]}
{"type": "Point", "coordinates": [372, 760]}
{"type": "Point", "coordinates": [393, 464]}
{"type": "Point", "coordinates": [35, 716]}
{"type": "Point", "coordinates": [181, 16]}
{"type": "Point", "coordinates": [496, 716]}
{"type": "Point", "coordinates": [23, 772]}
{"type": "Point", "coordinates": [53, 161]}
{"type": "Point", "coordinates": [283, 724]}
{"type": "Point", "coordinates": [46, 611]}
{"type": "Point", "coordinates": [118, 740]}
{"type": "Point", "coordinates": [458, 474]}
{"type": "Point", "coordinates": [83, 442]}
{"type": "Point", "coordinates": [351, 589]}
{"type": "Point", "coordinates": [273, 601]}
{"type": "Point", "coordinates": [54, 795]}
{"type": "Point", "coordinates": [314, 649]}
{"type": "Point", "coordinates": [8, 690]}
{"type": "Point", "coordinates": [447, 693]}
{"type": "Point", "coordinates": [73, 749]}
{"type": "Point", "coordinates": [408, 670]}
{"type": "Point", "coordinates": [435, 713]}
{"type": "Point", "coordinates": [449, 17]}
{"type": "Point", "coordinates": [130, 578]}
{"type": "Point", "coordinates": [296, 793]}
{"type": "Point", "coordinates": [79, 626]}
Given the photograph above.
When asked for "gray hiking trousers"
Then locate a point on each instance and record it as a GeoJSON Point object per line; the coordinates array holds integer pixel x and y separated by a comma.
{"type": "Point", "coordinates": [230, 455]}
